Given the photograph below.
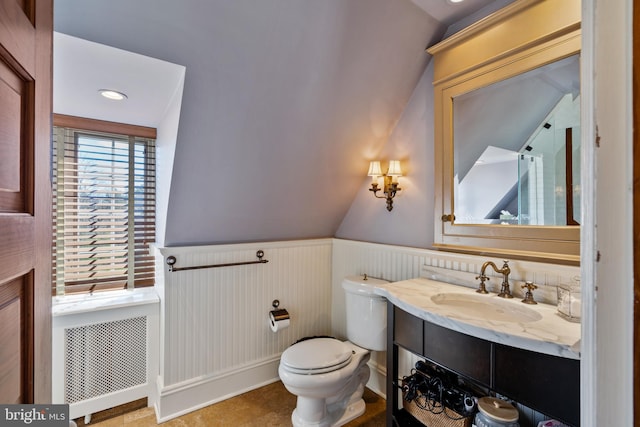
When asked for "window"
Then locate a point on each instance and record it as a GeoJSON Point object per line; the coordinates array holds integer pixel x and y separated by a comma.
{"type": "Point", "coordinates": [103, 210]}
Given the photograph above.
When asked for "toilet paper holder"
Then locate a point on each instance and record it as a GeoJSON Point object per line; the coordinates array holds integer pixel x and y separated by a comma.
{"type": "Point", "coordinates": [279, 313]}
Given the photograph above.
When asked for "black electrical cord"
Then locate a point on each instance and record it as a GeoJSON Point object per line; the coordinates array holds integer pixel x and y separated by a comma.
{"type": "Point", "coordinates": [432, 398]}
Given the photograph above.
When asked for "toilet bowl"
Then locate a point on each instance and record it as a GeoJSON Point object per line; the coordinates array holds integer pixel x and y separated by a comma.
{"type": "Point", "coordinates": [328, 375]}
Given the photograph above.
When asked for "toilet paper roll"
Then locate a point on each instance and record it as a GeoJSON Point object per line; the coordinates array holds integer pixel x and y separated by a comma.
{"type": "Point", "coordinates": [279, 319]}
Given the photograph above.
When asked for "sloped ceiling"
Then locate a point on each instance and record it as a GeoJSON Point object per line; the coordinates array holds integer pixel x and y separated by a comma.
{"type": "Point", "coordinates": [284, 103]}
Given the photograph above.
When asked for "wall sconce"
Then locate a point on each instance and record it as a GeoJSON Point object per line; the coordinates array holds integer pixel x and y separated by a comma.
{"type": "Point", "coordinates": [390, 180]}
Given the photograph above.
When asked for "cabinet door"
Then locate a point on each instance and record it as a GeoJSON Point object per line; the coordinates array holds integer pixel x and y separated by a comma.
{"type": "Point", "coordinates": [408, 331]}
{"type": "Point", "coordinates": [463, 354]}
{"type": "Point", "coordinates": [546, 383]}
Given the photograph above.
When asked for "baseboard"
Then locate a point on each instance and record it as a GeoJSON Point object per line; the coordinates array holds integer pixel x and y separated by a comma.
{"type": "Point", "coordinates": [378, 379]}
{"type": "Point", "coordinates": [176, 400]}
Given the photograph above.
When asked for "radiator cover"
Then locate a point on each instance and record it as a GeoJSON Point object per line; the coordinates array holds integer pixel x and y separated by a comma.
{"type": "Point", "coordinates": [104, 358]}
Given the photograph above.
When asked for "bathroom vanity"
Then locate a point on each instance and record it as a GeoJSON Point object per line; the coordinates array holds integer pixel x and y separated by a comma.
{"type": "Point", "coordinates": [529, 355]}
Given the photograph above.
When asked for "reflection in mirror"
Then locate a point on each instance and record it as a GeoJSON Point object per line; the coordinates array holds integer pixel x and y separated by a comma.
{"type": "Point", "coordinates": [517, 149]}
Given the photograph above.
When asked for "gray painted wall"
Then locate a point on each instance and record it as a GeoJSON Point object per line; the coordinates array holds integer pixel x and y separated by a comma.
{"type": "Point", "coordinates": [412, 141]}
{"type": "Point", "coordinates": [284, 103]}
{"type": "Point", "coordinates": [410, 223]}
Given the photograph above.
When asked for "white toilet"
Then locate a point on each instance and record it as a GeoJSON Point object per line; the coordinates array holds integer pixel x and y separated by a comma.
{"type": "Point", "coordinates": [329, 375]}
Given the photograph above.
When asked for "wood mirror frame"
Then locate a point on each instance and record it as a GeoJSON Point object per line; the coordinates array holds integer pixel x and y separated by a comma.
{"type": "Point", "coordinates": [520, 37]}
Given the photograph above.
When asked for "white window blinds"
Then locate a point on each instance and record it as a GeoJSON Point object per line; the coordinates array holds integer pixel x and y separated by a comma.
{"type": "Point", "coordinates": [103, 211]}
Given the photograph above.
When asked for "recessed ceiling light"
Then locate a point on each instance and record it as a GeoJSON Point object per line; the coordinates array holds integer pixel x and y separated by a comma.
{"type": "Point", "coordinates": [455, 1]}
{"type": "Point", "coordinates": [112, 94]}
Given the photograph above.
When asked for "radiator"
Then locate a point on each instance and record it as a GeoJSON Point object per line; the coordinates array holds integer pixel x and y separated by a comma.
{"type": "Point", "coordinates": [104, 358]}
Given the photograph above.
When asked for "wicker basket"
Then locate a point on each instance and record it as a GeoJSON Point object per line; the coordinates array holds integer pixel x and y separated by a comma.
{"type": "Point", "coordinates": [441, 419]}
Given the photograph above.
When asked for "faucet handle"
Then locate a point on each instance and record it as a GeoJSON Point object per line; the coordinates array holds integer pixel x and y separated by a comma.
{"type": "Point", "coordinates": [482, 289]}
{"type": "Point", "coordinates": [528, 297]}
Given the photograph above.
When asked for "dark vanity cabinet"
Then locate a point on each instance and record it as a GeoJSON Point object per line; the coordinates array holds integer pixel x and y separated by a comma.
{"type": "Point", "coordinates": [549, 384]}
{"type": "Point", "coordinates": [545, 383]}
{"type": "Point", "coordinates": [463, 354]}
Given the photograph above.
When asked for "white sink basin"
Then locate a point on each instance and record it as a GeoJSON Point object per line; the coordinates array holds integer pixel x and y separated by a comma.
{"type": "Point", "coordinates": [484, 307]}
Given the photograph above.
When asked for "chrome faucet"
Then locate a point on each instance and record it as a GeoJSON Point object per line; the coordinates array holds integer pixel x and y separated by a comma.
{"type": "Point", "coordinates": [505, 292]}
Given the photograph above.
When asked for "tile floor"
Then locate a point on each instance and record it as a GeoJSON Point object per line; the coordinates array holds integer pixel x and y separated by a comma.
{"type": "Point", "coordinates": [270, 405]}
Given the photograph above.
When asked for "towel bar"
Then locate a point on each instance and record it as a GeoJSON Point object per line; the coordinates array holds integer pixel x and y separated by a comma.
{"type": "Point", "coordinates": [171, 260]}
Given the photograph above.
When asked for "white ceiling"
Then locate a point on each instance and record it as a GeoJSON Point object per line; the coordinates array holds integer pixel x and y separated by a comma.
{"type": "Point", "coordinates": [82, 67]}
{"type": "Point", "coordinates": [447, 12]}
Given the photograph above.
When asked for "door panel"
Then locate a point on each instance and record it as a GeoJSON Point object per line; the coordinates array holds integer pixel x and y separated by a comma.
{"type": "Point", "coordinates": [16, 334]}
{"type": "Point", "coordinates": [25, 211]}
{"type": "Point", "coordinates": [10, 129]}
{"type": "Point", "coordinates": [16, 245]}
{"type": "Point", "coordinates": [18, 34]}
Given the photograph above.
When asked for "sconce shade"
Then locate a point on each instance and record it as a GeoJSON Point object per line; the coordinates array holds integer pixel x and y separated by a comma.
{"type": "Point", "coordinates": [394, 168]}
{"type": "Point", "coordinates": [390, 187]}
{"type": "Point", "coordinates": [374, 169]}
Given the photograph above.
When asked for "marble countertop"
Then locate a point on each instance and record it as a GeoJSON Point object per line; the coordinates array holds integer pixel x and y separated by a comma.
{"type": "Point", "coordinates": [546, 333]}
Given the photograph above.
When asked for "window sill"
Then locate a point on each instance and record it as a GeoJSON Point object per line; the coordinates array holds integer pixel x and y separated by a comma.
{"type": "Point", "coordinates": [82, 303]}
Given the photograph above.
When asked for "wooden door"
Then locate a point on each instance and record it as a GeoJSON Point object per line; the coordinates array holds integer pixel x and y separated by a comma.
{"type": "Point", "coordinates": [25, 211]}
{"type": "Point", "coordinates": [636, 211]}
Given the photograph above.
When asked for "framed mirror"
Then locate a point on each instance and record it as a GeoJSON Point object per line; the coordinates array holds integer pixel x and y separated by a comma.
{"type": "Point", "coordinates": [507, 135]}
{"type": "Point", "coordinates": [516, 149]}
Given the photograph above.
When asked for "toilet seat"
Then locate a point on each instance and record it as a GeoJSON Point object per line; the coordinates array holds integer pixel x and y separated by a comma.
{"type": "Point", "coordinates": [316, 356]}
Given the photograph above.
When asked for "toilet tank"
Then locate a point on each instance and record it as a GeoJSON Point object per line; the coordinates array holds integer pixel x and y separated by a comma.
{"type": "Point", "coordinates": [366, 313]}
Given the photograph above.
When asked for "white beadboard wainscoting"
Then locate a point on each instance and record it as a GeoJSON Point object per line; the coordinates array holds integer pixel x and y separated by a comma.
{"type": "Point", "coordinates": [215, 339]}
{"type": "Point", "coordinates": [395, 263]}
